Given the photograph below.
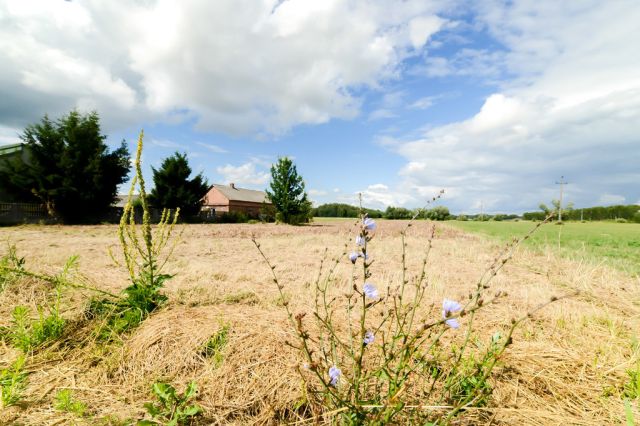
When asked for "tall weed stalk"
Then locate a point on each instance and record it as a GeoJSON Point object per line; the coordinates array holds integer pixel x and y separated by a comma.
{"type": "Point", "coordinates": [145, 252]}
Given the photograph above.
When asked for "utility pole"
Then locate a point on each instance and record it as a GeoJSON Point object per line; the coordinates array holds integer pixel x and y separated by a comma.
{"type": "Point", "coordinates": [562, 183]}
{"type": "Point", "coordinates": [481, 212]}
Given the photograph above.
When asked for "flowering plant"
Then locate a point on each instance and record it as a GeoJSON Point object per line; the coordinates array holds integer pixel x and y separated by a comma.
{"type": "Point", "coordinates": [380, 357]}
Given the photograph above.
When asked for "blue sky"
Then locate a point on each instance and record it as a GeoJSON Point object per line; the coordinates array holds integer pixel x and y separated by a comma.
{"type": "Point", "coordinates": [492, 101]}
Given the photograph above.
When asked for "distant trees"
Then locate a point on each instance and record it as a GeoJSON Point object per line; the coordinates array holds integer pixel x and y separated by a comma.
{"type": "Point", "coordinates": [287, 193]}
{"type": "Point", "coordinates": [629, 212]}
{"type": "Point", "coordinates": [174, 189]}
{"type": "Point", "coordinates": [556, 209]}
{"type": "Point", "coordinates": [346, 210]}
{"type": "Point", "coordinates": [343, 210]}
{"type": "Point", "coordinates": [70, 169]}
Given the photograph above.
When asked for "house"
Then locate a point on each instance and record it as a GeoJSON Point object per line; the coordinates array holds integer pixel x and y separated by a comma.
{"type": "Point", "coordinates": [9, 154]}
{"type": "Point", "coordinates": [231, 199]}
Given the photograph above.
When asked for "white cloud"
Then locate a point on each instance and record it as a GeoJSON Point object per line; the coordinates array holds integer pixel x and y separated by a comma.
{"type": "Point", "coordinates": [9, 135]}
{"type": "Point", "coordinates": [247, 174]}
{"type": "Point", "coordinates": [608, 199]}
{"type": "Point", "coordinates": [381, 113]}
{"type": "Point", "coordinates": [423, 103]}
{"type": "Point", "coordinates": [422, 27]}
{"type": "Point", "coordinates": [212, 147]}
{"type": "Point", "coordinates": [166, 143]}
{"type": "Point", "coordinates": [379, 196]}
{"type": "Point", "coordinates": [317, 192]}
{"type": "Point", "coordinates": [237, 66]}
{"type": "Point", "coordinates": [572, 108]}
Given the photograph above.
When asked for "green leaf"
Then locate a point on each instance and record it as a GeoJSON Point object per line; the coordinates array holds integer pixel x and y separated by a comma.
{"type": "Point", "coordinates": [191, 390]}
{"type": "Point", "coordinates": [164, 391]}
{"type": "Point", "coordinates": [192, 410]}
{"type": "Point", "coordinates": [151, 409]}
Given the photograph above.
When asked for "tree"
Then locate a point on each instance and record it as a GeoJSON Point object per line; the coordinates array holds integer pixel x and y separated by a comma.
{"type": "Point", "coordinates": [69, 168]}
{"type": "Point", "coordinates": [173, 189]}
{"type": "Point", "coordinates": [556, 208]}
{"type": "Point", "coordinates": [287, 193]}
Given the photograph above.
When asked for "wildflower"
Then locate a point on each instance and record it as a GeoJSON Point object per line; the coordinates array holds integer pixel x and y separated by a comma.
{"type": "Point", "coordinates": [369, 224]}
{"type": "Point", "coordinates": [368, 337]}
{"type": "Point", "coordinates": [370, 291]}
{"type": "Point", "coordinates": [353, 257]}
{"type": "Point", "coordinates": [359, 240]}
{"type": "Point", "coordinates": [334, 375]}
{"type": "Point", "coordinates": [449, 307]}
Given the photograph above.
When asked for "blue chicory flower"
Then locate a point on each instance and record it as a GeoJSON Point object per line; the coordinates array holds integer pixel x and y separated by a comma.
{"type": "Point", "coordinates": [334, 375]}
{"type": "Point", "coordinates": [370, 291]}
{"type": "Point", "coordinates": [353, 257]}
{"type": "Point", "coordinates": [369, 224]}
{"type": "Point", "coordinates": [368, 337]}
{"type": "Point", "coordinates": [449, 307]}
{"type": "Point", "coordinates": [359, 240]}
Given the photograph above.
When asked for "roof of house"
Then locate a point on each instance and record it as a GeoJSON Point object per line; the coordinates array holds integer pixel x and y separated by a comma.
{"type": "Point", "coordinates": [233, 193]}
{"type": "Point", "coordinates": [121, 200]}
{"type": "Point", "coordinates": [11, 148]}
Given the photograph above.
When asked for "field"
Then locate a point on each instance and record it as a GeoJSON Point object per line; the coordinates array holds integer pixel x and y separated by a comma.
{"type": "Point", "coordinates": [613, 244]}
{"type": "Point", "coordinates": [568, 364]}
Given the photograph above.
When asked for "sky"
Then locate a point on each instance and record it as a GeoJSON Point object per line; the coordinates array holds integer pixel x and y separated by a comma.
{"type": "Point", "coordinates": [492, 101]}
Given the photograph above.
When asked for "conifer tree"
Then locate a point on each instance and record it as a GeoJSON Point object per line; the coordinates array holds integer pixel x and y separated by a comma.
{"type": "Point", "coordinates": [173, 189]}
{"type": "Point", "coordinates": [69, 168]}
{"type": "Point", "coordinates": [288, 194]}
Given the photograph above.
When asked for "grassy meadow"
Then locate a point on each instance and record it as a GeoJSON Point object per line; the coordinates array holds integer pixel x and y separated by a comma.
{"type": "Point", "coordinates": [570, 363]}
{"type": "Point", "coordinates": [610, 243]}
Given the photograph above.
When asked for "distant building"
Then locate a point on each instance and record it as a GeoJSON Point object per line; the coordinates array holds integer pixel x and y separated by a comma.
{"type": "Point", "coordinates": [230, 199]}
{"type": "Point", "coordinates": [11, 153]}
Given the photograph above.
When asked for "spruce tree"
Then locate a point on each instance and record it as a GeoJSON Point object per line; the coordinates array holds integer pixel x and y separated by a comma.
{"type": "Point", "coordinates": [288, 194]}
{"type": "Point", "coordinates": [173, 188]}
{"type": "Point", "coordinates": [70, 169]}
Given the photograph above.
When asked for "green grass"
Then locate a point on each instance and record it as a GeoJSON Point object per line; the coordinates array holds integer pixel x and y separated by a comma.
{"type": "Point", "coordinates": [615, 244]}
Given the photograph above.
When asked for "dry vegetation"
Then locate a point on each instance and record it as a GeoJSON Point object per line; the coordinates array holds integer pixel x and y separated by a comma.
{"type": "Point", "coordinates": [567, 364]}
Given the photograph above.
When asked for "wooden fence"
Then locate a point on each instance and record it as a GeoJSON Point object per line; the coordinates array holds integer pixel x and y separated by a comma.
{"type": "Point", "coordinates": [13, 213]}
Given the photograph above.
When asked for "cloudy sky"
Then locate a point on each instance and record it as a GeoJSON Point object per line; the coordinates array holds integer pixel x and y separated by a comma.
{"type": "Point", "coordinates": [394, 99]}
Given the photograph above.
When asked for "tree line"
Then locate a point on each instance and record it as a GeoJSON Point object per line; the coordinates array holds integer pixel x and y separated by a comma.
{"type": "Point", "coordinates": [629, 213]}
{"type": "Point", "coordinates": [71, 171]}
{"type": "Point", "coordinates": [347, 210]}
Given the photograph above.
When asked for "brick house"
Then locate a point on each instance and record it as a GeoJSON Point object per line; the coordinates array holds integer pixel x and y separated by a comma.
{"type": "Point", "coordinates": [230, 199]}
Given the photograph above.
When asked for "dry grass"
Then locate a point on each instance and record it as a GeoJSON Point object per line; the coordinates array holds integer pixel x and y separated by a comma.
{"type": "Point", "coordinates": [567, 365]}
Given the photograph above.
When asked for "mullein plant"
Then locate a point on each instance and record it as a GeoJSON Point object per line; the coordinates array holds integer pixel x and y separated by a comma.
{"type": "Point", "coordinates": [385, 359]}
{"type": "Point", "coordinates": [145, 252]}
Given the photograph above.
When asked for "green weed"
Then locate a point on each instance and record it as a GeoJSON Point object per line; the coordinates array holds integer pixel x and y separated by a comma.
{"type": "Point", "coordinates": [28, 334]}
{"type": "Point", "coordinates": [213, 348]}
{"type": "Point", "coordinates": [171, 408]}
{"type": "Point", "coordinates": [64, 401]}
{"type": "Point", "coordinates": [632, 387]}
{"type": "Point", "coordinates": [144, 257]}
{"type": "Point", "coordinates": [12, 383]}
